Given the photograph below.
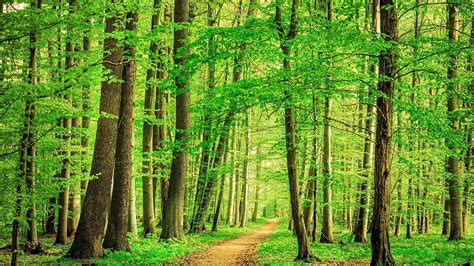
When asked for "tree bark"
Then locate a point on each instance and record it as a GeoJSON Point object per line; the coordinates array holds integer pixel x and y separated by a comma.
{"type": "Point", "coordinates": [116, 236]}
{"type": "Point", "coordinates": [381, 254]}
{"type": "Point", "coordinates": [454, 168]}
{"type": "Point", "coordinates": [147, 141]}
{"type": "Point", "coordinates": [88, 239]}
{"type": "Point", "coordinates": [246, 174]}
{"type": "Point", "coordinates": [257, 185]}
{"type": "Point", "coordinates": [304, 251]}
{"type": "Point", "coordinates": [173, 222]}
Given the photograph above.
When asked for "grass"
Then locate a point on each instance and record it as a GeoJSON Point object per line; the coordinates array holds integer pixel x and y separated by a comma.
{"type": "Point", "coordinates": [149, 250]}
{"type": "Point", "coordinates": [425, 249]}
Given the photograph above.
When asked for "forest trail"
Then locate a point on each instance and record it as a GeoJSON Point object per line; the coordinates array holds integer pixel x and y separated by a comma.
{"type": "Point", "coordinates": [239, 250]}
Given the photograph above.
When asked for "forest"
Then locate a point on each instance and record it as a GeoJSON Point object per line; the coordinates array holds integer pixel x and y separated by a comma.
{"type": "Point", "coordinates": [332, 132]}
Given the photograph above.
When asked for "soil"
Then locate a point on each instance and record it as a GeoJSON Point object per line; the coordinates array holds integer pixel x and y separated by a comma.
{"type": "Point", "coordinates": [237, 251]}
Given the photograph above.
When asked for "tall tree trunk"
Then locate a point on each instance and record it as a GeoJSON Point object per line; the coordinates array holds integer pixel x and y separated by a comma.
{"type": "Point", "coordinates": [147, 141]}
{"type": "Point", "coordinates": [30, 147]}
{"type": "Point", "coordinates": [454, 168]}
{"type": "Point", "coordinates": [132, 207]}
{"type": "Point", "coordinates": [360, 229]}
{"type": "Point", "coordinates": [232, 179]}
{"type": "Point", "coordinates": [85, 122]}
{"type": "Point", "coordinates": [304, 252]}
{"type": "Point", "coordinates": [381, 254]}
{"type": "Point", "coordinates": [246, 174]}
{"type": "Point", "coordinates": [468, 158]}
{"type": "Point", "coordinates": [173, 222]}
{"type": "Point", "coordinates": [327, 231]}
{"type": "Point", "coordinates": [217, 213]}
{"type": "Point", "coordinates": [71, 126]}
{"type": "Point", "coordinates": [88, 239]}
{"type": "Point", "coordinates": [257, 185]}
{"type": "Point", "coordinates": [116, 236]}
{"type": "Point", "coordinates": [27, 153]}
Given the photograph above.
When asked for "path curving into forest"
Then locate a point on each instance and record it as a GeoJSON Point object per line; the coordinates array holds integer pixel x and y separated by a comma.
{"type": "Point", "coordinates": [240, 250]}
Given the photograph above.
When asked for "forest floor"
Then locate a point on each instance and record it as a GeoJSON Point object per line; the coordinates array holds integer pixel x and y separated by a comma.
{"type": "Point", "coordinates": [423, 249]}
{"type": "Point", "coordinates": [145, 250]}
{"type": "Point", "coordinates": [240, 250]}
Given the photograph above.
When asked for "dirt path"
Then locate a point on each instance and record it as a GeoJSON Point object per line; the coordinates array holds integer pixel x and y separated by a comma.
{"type": "Point", "coordinates": [239, 250]}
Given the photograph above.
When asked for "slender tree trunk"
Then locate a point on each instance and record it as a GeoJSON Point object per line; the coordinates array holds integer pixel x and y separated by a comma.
{"type": "Point", "coordinates": [454, 167]}
{"type": "Point", "coordinates": [327, 231]}
{"type": "Point", "coordinates": [85, 123]}
{"type": "Point", "coordinates": [173, 222]}
{"type": "Point", "coordinates": [304, 252]}
{"type": "Point", "coordinates": [360, 229]}
{"type": "Point", "coordinates": [116, 236]}
{"type": "Point", "coordinates": [232, 179]}
{"type": "Point", "coordinates": [147, 141]}
{"type": "Point", "coordinates": [246, 174]}
{"type": "Point", "coordinates": [88, 239]}
{"type": "Point", "coordinates": [468, 157]}
{"type": "Point", "coordinates": [28, 171]}
{"type": "Point", "coordinates": [27, 153]}
{"type": "Point", "coordinates": [381, 254]}
{"type": "Point", "coordinates": [217, 213]}
{"type": "Point", "coordinates": [132, 209]}
{"type": "Point", "coordinates": [257, 185]}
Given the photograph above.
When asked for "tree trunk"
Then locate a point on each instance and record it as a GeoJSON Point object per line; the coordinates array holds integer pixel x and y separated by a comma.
{"type": "Point", "coordinates": [88, 239]}
{"type": "Point", "coordinates": [147, 141]}
{"type": "Point", "coordinates": [116, 236]}
{"type": "Point", "coordinates": [381, 254]}
{"type": "Point", "coordinates": [217, 213]}
{"type": "Point", "coordinates": [257, 185]}
{"type": "Point", "coordinates": [173, 222]}
{"type": "Point", "coordinates": [132, 209]}
{"type": "Point", "coordinates": [232, 179]}
{"type": "Point", "coordinates": [304, 251]}
{"type": "Point", "coordinates": [327, 231]}
{"type": "Point", "coordinates": [454, 168]}
{"type": "Point", "coordinates": [246, 174]}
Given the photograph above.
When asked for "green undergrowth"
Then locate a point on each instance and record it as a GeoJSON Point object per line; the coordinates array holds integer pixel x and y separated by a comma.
{"type": "Point", "coordinates": [432, 248]}
{"type": "Point", "coordinates": [149, 250]}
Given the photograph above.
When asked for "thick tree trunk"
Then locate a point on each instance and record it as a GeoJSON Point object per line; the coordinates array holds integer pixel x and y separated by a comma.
{"type": "Point", "coordinates": [381, 254]}
{"type": "Point", "coordinates": [116, 235]}
{"type": "Point", "coordinates": [88, 239]}
{"type": "Point", "coordinates": [454, 166]}
{"type": "Point", "coordinates": [173, 222]}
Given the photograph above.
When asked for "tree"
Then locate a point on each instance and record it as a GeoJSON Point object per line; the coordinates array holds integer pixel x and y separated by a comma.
{"type": "Point", "coordinates": [381, 254]}
{"type": "Point", "coordinates": [116, 236]}
{"type": "Point", "coordinates": [173, 222]}
{"type": "Point", "coordinates": [304, 252]}
{"type": "Point", "coordinates": [327, 231]}
{"type": "Point", "coordinates": [454, 167]}
{"type": "Point", "coordinates": [360, 229]}
{"type": "Point", "coordinates": [88, 239]}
